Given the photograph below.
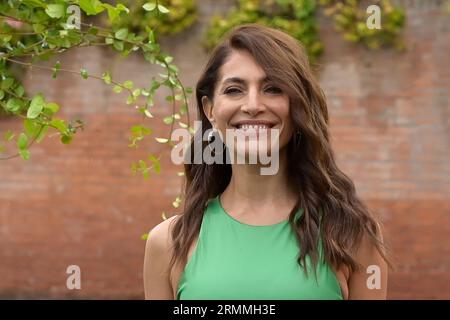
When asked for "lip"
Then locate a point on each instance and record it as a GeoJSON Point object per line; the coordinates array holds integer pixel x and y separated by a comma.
{"type": "Point", "coordinates": [254, 122]}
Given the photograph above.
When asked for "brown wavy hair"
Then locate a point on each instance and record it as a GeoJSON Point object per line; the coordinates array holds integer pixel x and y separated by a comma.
{"type": "Point", "coordinates": [332, 212]}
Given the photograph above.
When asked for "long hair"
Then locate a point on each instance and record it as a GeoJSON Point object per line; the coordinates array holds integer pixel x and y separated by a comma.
{"type": "Point", "coordinates": [332, 212]}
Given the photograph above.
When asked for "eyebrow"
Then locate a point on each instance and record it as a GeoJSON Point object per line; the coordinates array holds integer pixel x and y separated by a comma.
{"type": "Point", "coordinates": [242, 81]}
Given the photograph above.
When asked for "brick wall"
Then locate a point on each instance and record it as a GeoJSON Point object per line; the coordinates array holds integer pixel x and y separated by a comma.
{"type": "Point", "coordinates": [79, 204]}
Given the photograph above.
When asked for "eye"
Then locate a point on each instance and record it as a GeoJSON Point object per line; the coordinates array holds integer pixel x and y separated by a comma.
{"type": "Point", "coordinates": [274, 90]}
{"type": "Point", "coordinates": [232, 91]}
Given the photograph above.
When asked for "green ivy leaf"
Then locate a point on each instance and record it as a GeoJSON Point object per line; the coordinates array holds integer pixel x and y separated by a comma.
{"type": "Point", "coordinates": [56, 69]}
{"type": "Point", "coordinates": [9, 135]}
{"type": "Point", "coordinates": [35, 3]}
{"type": "Point", "coordinates": [36, 106]}
{"type": "Point", "coordinates": [149, 6]}
{"type": "Point", "coordinates": [20, 91]}
{"type": "Point", "coordinates": [59, 124]}
{"type": "Point", "coordinates": [41, 136]}
{"type": "Point", "coordinates": [130, 99]}
{"type": "Point", "coordinates": [148, 113]}
{"type": "Point", "coordinates": [162, 140]}
{"type": "Point", "coordinates": [31, 128]}
{"type": "Point", "coordinates": [84, 73]}
{"type": "Point", "coordinates": [136, 93]}
{"type": "Point", "coordinates": [106, 76]}
{"type": "Point", "coordinates": [128, 84]}
{"type": "Point", "coordinates": [162, 9]}
{"type": "Point", "coordinates": [5, 38]}
{"type": "Point", "coordinates": [168, 59]}
{"type": "Point", "coordinates": [155, 163]}
{"type": "Point", "coordinates": [38, 28]}
{"type": "Point", "coordinates": [52, 107]}
{"type": "Point", "coordinates": [25, 154]}
{"type": "Point", "coordinates": [55, 10]}
{"type": "Point", "coordinates": [118, 45]}
{"type": "Point", "coordinates": [91, 7]}
{"type": "Point", "coordinates": [168, 120]}
{"type": "Point", "coordinates": [14, 105]}
{"type": "Point", "coordinates": [7, 83]}
{"type": "Point", "coordinates": [66, 139]}
{"type": "Point", "coordinates": [183, 109]}
{"type": "Point", "coordinates": [22, 141]}
{"type": "Point", "coordinates": [151, 36]}
{"type": "Point", "coordinates": [121, 34]}
{"type": "Point", "coordinates": [114, 12]}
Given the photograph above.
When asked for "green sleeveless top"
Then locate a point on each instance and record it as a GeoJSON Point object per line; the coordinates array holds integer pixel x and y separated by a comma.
{"type": "Point", "coordinates": [234, 260]}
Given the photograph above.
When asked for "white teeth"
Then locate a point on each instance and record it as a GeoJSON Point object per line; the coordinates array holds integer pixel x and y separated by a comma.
{"type": "Point", "coordinates": [254, 127]}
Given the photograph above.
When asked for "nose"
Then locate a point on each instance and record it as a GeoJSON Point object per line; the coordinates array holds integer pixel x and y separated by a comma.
{"type": "Point", "coordinates": [254, 103]}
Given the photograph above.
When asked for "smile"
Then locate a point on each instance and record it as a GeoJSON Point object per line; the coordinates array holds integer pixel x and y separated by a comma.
{"type": "Point", "coordinates": [255, 125]}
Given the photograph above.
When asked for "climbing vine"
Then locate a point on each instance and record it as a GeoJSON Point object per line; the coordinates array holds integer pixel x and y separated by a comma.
{"type": "Point", "coordinates": [179, 16]}
{"type": "Point", "coordinates": [350, 18]}
{"type": "Point", "coordinates": [34, 30]}
{"type": "Point", "coordinates": [296, 17]}
{"type": "Point", "coordinates": [299, 19]}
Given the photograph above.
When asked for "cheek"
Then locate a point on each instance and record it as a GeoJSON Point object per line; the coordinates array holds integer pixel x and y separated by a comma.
{"type": "Point", "coordinates": [222, 115]}
{"type": "Point", "coordinates": [285, 117]}
{"type": "Point", "coordinates": [282, 111]}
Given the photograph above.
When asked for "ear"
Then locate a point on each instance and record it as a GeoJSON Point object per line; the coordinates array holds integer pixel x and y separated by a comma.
{"type": "Point", "coordinates": [207, 109]}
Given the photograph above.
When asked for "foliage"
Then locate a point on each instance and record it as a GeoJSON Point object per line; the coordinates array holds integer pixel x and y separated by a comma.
{"type": "Point", "coordinates": [299, 19]}
{"type": "Point", "coordinates": [350, 20]}
{"type": "Point", "coordinates": [35, 30]}
{"type": "Point", "coordinates": [181, 15]}
{"type": "Point", "coordinates": [296, 17]}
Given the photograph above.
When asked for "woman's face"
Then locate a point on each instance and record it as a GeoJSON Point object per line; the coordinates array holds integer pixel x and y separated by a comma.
{"type": "Point", "coordinates": [248, 103]}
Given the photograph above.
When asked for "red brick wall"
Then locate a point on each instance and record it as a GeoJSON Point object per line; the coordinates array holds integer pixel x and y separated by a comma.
{"type": "Point", "coordinates": [79, 204]}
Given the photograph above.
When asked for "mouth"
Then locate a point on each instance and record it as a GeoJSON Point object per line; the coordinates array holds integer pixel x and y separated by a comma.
{"type": "Point", "coordinates": [253, 125]}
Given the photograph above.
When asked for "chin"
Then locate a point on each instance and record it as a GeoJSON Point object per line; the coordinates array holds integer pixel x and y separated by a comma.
{"type": "Point", "coordinates": [251, 153]}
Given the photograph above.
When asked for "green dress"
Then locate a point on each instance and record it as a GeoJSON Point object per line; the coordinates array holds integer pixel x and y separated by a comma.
{"type": "Point", "coordinates": [234, 260]}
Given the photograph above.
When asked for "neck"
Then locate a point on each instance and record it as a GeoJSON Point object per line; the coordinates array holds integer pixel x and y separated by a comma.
{"type": "Point", "coordinates": [249, 189]}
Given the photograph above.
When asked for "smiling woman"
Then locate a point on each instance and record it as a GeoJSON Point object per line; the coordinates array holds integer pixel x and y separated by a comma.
{"type": "Point", "coordinates": [301, 233]}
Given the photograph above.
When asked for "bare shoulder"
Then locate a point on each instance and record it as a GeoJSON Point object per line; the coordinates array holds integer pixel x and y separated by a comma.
{"type": "Point", "coordinates": [367, 252]}
{"type": "Point", "coordinates": [156, 261]}
{"type": "Point", "coordinates": [370, 280]}
{"type": "Point", "coordinates": [159, 236]}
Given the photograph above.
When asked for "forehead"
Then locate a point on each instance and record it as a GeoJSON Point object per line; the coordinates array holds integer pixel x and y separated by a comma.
{"type": "Point", "coordinates": [241, 64]}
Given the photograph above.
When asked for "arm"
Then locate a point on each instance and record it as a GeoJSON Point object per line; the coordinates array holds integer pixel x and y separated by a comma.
{"type": "Point", "coordinates": [369, 281]}
{"type": "Point", "coordinates": [156, 263]}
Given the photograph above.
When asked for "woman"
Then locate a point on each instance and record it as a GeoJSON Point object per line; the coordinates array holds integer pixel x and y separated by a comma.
{"type": "Point", "coordinates": [301, 233]}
